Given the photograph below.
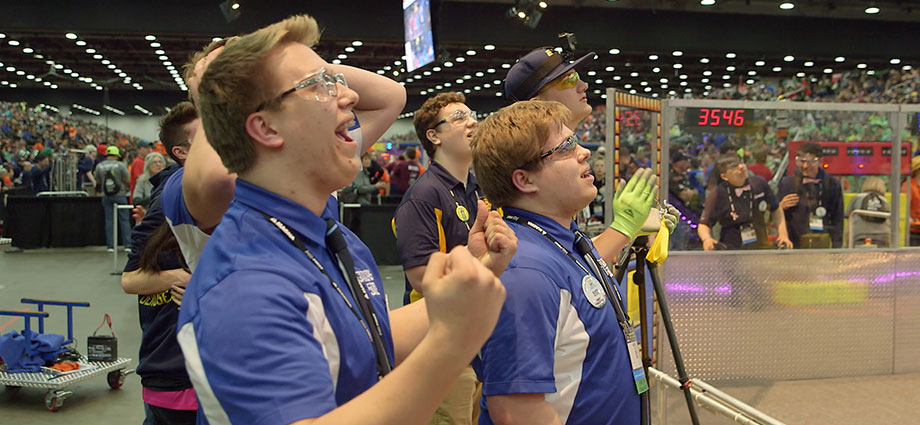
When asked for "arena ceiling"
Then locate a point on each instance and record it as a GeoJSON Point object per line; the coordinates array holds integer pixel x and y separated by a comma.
{"type": "Point", "coordinates": [134, 56]}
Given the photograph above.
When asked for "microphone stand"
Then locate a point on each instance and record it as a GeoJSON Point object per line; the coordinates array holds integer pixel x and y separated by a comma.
{"type": "Point", "coordinates": [639, 249]}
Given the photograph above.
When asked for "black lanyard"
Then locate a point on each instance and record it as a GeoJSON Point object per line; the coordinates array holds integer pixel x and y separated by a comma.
{"type": "Point", "coordinates": [613, 294]}
{"type": "Point", "coordinates": [383, 362]}
{"type": "Point", "coordinates": [731, 201]}
{"type": "Point", "coordinates": [820, 190]}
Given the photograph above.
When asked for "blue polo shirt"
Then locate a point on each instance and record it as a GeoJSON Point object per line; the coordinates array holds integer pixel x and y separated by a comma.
{"type": "Point", "coordinates": [191, 239]}
{"type": "Point", "coordinates": [266, 337]}
{"type": "Point", "coordinates": [427, 219]}
{"type": "Point", "coordinates": [549, 339]}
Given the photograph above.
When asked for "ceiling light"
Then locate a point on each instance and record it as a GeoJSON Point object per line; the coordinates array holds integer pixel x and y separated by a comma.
{"type": "Point", "coordinates": [97, 57]}
{"type": "Point", "coordinates": [349, 49]}
{"type": "Point", "coordinates": [839, 59]}
{"type": "Point", "coordinates": [707, 2]}
{"type": "Point", "coordinates": [789, 58]}
{"type": "Point", "coordinates": [480, 74]}
{"type": "Point", "coordinates": [342, 56]}
{"type": "Point", "coordinates": [491, 70]}
{"type": "Point", "coordinates": [467, 77]}
{"type": "Point", "coordinates": [787, 5]}
{"type": "Point", "coordinates": [704, 60]}
{"type": "Point", "coordinates": [460, 59]}
{"type": "Point", "coordinates": [634, 74]}
{"type": "Point", "coordinates": [809, 64]}
{"type": "Point", "coordinates": [707, 73]}
{"type": "Point", "coordinates": [677, 53]}
{"type": "Point", "coordinates": [598, 81]}
{"type": "Point", "coordinates": [777, 69]}
{"type": "Point", "coordinates": [872, 10]}
{"type": "Point", "coordinates": [471, 53]}
{"type": "Point", "coordinates": [80, 43]}
{"type": "Point", "coordinates": [730, 68]}
{"type": "Point", "coordinates": [759, 63]}
{"type": "Point", "coordinates": [683, 83]}
{"type": "Point", "coordinates": [70, 36]}
{"type": "Point", "coordinates": [111, 66]}
{"type": "Point", "coordinates": [656, 69]}
{"type": "Point", "coordinates": [20, 72]}
{"type": "Point", "coordinates": [652, 57]}
{"type": "Point", "coordinates": [156, 44]}
{"type": "Point", "coordinates": [663, 80]}
{"type": "Point", "coordinates": [617, 78]}
{"type": "Point", "coordinates": [150, 38]}
{"type": "Point", "coordinates": [90, 51]}
{"type": "Point", "coordinates": [614, 51]}
{"type": "Point", "coordinates": [27, 50]}
{"type": "Point", "coordinates": [704, 80]}
{"type": "Point", "coordinates": [752, 72]}
{"type": "Point", "coordinates": [894, 61]}
{"type": "Point", "coordinates": [436, 69]}
{"type": "Point", "coordinates": [730, 55]}
{"type": "Point", "coordinates": [861, 66]}
{"type": "Point", "coordinates": [800, 74]}
{"type": "Point", "coordinates": [678, 66]}
{"type": "Point", "coordinates": [489, 47]}
{"type": "Point", "coordinates": [609, 69]}
{"type": "Point", "coordinates": [906, 68]}
{"type": "Point", "coordinates": [448, 64]}
{"type": "Point", "coordinates": [159, 52]}
{"type": "Point", "coordinates": [828, 70]}
{"type": "Point", "coordinates": [163, 58]}
{"type": "Point", "coordinates": [397, 63]}
{"type": "Point", "coordinates": [726, 77]}
{"type": "Point", "coordinates": [13, 43]}
{"type": "Point", "coordinates": [592, 73]}
{"type": "Point", "coordinates": [506, 65]}
{"type": "Point", "coordinates": [683, 76]}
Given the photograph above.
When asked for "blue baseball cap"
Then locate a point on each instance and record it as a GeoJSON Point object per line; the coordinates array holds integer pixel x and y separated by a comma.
{"type": "Point", "coordinates": [535, 70]}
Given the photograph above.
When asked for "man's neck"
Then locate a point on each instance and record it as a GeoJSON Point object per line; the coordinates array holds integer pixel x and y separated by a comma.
{"type": "Point", "coordinates": [459, 169]}
{"type": "Point", "coordinates": [306, 195]}
{"type": "Point", "coordinates": [564, 218]}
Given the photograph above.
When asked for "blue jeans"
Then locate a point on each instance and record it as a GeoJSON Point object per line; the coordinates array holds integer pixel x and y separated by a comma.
{"type": "Point", "coordinates": [124, 226]}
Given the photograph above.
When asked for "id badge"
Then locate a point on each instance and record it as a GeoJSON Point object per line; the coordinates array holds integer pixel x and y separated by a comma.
{"type": "Point", "coordinates": [748, 235]}
{"type": "Point", "coordinates": [635, 360]}
{"type": "Point", "coordinates": [815, 223]}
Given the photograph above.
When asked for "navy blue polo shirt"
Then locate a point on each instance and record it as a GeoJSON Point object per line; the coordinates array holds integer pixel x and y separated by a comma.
{"type": "Point", "coordinates": [827, 194]}
{"type": "Point", "coordinates": [266, 337]}
{"type": "Point", "coordinates": [427, 219]}
{"type": "Point", "coordinates": [550, 339]}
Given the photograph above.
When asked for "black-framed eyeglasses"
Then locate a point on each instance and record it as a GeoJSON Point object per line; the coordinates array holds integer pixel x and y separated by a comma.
{"type": "Point", "coordinates": [456, 117]}
{"type": "Point", "coordinates": [320, 87]}
{"type": "Point", "coordinates": [567, 145]}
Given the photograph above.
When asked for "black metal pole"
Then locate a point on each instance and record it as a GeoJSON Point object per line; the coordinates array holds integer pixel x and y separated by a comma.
{"type": "Point", "coordinates": [672, 338]}
{"type": "Point", "coordinates": [640, 248]}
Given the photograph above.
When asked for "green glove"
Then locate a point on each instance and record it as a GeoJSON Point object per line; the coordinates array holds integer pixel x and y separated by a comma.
{"type": "Point", "coordinates": [670, 218]}
{"type": "Point", "coordinates": [632, 203]}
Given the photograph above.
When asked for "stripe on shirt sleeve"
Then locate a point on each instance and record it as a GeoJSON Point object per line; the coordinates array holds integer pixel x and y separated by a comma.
{"type": "Point", "coordinates": [569, 356]}
{"type": "Point", "coordinates": [322, 331]}
{"type": "Point", "coordinates": [442, 240]}
{"type": "Point", "coordinates": [207, 401]}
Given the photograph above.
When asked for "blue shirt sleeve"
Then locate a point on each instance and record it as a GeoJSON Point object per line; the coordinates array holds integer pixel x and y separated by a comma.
{"type": "Point", "coordinates": [519, 356]}
{"type": "Point", "coordinates": [173, 202]}
{"type": "Point", "coordinates": [258, 351]}
{"type": "Point", "coordinates": [417, 234]}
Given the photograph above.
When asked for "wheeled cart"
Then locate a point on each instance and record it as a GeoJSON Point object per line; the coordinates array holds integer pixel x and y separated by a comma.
{"type": "Point", "coordinates": [57, 382]}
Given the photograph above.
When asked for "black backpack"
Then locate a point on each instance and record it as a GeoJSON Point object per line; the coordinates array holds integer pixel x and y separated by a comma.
{"type": "Point", "coordinates": [110, 184]}
{"type": "Point", "coordinates": [873, 202]}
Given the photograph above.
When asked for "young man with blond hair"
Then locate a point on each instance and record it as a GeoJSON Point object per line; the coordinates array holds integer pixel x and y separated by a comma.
{"type": "Point", "coordinates": [284, 320]}
{"type": "Point", "coordinates": [440, 211]}
{"type": "Point", "coordinates": [560, 353]}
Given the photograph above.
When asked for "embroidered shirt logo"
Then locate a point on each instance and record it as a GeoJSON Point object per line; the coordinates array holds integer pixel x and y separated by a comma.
{"type": "Point", "coordinates": [366, 278]}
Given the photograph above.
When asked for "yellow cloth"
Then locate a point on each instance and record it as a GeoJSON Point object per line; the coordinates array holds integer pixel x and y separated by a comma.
{"type": "Point", "coordinates": [658, 252]}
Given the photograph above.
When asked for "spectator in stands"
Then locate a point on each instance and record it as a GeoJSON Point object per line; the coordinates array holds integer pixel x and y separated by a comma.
{"type": "Point", "coordinates": [137, 165]}
{"type": "Point", "coordinates": [405, 173]}
{"type": "Point", "coordinates": [153, 163]}
{"type": "Point", "coordinates": [100, 156]}
{"type": "Point", "coordinates": [813, 202]}
{"type": "Point", "coordinates": [868, 230]}
{"type": "Point", "coordinates": [361, 189]}
{"type": "Point", "coordinates": [759, 167]}
{"type": "Point", "coordinates": [6, 179]}
{"type": "Point", "coordinates": [85, 166]}
{"type": "Point", "coordinates": [739, 204]}
{"type": "Point", "coordinates": [374, 171]}
{"type": "Point", "coordinates": [157, 272]}
{"type": "Point", "coordinates": [113, 178]}
{"type": "Point", "coordinates": [287, 138]}
{"type": "Point", "coordinates": [37, 175]}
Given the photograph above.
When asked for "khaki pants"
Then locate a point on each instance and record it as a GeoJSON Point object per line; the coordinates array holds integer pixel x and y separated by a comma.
{"type": "Point", "coordinates": [461, 407]}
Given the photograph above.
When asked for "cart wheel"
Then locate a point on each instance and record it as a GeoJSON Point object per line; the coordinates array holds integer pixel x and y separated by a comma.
{"type": "Point", "coordinates": [116, 379]}
{"type": "Point", "coordinates": [53, 402]}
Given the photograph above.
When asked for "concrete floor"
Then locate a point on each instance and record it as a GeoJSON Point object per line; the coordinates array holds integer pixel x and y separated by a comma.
{"type": "Point", "coordinates": [84, 274]}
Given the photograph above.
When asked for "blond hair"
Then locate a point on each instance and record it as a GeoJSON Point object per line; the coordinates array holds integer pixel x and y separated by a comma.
{"type": "Point", "coordinates": [512, 139]}
{"type": "Point", "coordinates": [235, 84]}
{"type": "Point", "coordinates": [874, 184]}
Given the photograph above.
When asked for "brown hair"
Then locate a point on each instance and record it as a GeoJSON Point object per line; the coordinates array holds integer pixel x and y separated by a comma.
{"type": "Point", "coordinates": [725, 160]}
{"type": "Point", "coordinates": [161, 241]}
{"type": "Point", "coordinates": [510, 139]}
{"type": "Point", "coordinates": [427, 116]}
{"type": "Point", "coordinates": [234, 85]}
{"type": "Point", "coordinates": [874, 184]}
{"type": "Point", "coordinates": [188, 70]}
{"type": "Point", "coordinates": [171, 126]}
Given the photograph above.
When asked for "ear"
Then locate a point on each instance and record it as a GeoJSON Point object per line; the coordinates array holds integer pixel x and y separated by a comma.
{"type": "Point", "coordinates": [262, 131]}
{"type": "Point", "coordinates": [180, 152]}
{"type": "Point", "coordinates": [722, 175]}
{"type": "Point", "coordinates": [432, 136]}
{"type": "Point", "coordinates": [523, 181]}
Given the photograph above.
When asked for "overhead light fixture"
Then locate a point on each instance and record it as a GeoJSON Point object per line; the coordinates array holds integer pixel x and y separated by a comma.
{"type": "Point", "coordinates": [70, 36]}
{"type": "Point", "coordinates": [787, 5]}
{"type": "Point", "coordinates": [730, 55]}
{"type": "Point", "coordinates": [872, 9]}
{"type": "Point", "coordinates": [707, 2]}
{"type": "Point", "coordinates": [808, 64]}
{"type": "Point", "coordinates": [677, 53]}
{"type": "Point", "coordinates": [150, 38]}
{"type": "Point", "coordinates": [80, 43]}
{"type": "Point", "coordinates": [894, 61]}
{"type": "Point", "coordinates": [861, 66]}
{"type": "Point", "coordinates": [839, 59]}
{"type": "Point", "coordinates": [489, 47]}
{"type": "Point", "coordinates": [527, 11]}
{"type": "Point", "coordinates": [704, 60]}
{"type": "Point", "coordinates": [229, 11]}
{"type": "Point", "coordinates": [614, 51]}
{"type": "Point", "coordinates": [789, 58]}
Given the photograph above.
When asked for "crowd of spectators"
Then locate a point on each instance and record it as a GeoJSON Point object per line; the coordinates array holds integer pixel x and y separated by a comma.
{"type": "Point", "coordinates": [29, 133]}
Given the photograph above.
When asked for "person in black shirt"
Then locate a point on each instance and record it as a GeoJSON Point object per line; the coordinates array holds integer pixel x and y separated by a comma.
{"type": "Point", "coordinates": [813, 202]}
{"type": "Point", "coordinates": [739, 204]}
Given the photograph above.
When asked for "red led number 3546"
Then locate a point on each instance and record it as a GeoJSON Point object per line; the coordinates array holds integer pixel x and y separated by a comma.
{"type": "Point", "coordinates": [717, 117]}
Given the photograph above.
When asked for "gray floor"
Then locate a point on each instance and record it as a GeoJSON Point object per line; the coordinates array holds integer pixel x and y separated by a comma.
{"type": "Point", "coordinates": [84, 274]}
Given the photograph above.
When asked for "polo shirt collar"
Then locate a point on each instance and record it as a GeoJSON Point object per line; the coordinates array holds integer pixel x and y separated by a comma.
{"type": "Point", "coordinates": [295, 216]}
{"type": "Point", "coordinates": [566, 237]}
